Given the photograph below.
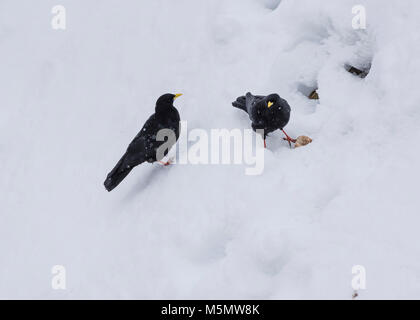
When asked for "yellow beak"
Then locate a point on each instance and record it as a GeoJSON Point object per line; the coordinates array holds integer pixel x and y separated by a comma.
{"type": "Point", "coordinates": [177, 95]}
{"type": "Point", "coordinates": [269, 104]}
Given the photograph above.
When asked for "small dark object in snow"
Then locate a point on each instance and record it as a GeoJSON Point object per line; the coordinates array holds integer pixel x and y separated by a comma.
{"type": "Point", "coordinates": [314, 95]}
{"type": "Point", "coordinates": [144, 146]}
{"type": "Point", "coordinates": [266, 112]}
{"type": "Point", "coordinates": [357, 72]}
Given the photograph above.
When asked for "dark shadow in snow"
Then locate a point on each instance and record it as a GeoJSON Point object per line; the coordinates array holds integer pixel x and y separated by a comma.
{"type": "Point", "coordinates": [360, 71]}
{"type": "Point", "coordinates": [271, 4]}
{"type": "Point", "coordinates": [308, 91]}
{"type": "Point", "coordinates": [145, 181]}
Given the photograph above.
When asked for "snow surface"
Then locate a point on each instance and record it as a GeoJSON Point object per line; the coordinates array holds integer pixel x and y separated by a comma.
{"type": "Point", "coordinates": [72, 100]}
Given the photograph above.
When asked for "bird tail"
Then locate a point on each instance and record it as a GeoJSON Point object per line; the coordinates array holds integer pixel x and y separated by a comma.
{"type": "Point", "coordinates": [117, 175]}
{"type": "Point", "coordinates": [240, 103]}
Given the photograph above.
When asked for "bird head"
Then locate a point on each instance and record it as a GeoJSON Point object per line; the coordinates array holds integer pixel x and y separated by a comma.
{"type": "Point", "coordinates": [167, 99]}
{"type": "Point", "coordinates": [272, 99]}
{"type": "Point", "coordinates": [166, 102]}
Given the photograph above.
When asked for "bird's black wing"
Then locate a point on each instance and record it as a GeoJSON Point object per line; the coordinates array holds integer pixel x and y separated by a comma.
{"type": "Point", "coordinates": [256, 106]}
{"type": "Point", "coordinates": [143, 148]}
{"type": "Point", "coordinates": [144, 145]}
{"type": "Point", "coordinates": [241, 102]}
{"type": "Point", "coordinates": [135, 155]}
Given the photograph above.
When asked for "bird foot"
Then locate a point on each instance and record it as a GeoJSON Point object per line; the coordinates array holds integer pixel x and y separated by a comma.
{"type": "Point", "coordinates": [265, 144]}
{"type": "Point", "coordinates": [288, 139]}
{"type": "Point", "coordinates": [165, 163]}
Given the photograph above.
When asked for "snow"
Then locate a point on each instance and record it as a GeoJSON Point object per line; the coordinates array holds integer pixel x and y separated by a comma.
{"type": "Point", "coordinates": [72, 100]}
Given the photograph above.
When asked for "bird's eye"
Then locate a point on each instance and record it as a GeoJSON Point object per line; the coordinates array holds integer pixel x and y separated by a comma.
{"type": "Point", "coordinates": [269, 104]}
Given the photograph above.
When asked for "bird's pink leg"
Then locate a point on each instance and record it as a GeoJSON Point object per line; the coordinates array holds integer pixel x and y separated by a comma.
{"type": "Point", "coordinates": [288, 139]}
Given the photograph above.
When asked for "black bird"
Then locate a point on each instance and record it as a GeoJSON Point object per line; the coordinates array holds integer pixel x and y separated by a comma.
{"type": "Point", "coordinates": [144, 147]}
{"type": "Point", "coordinates": [266, 112]}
